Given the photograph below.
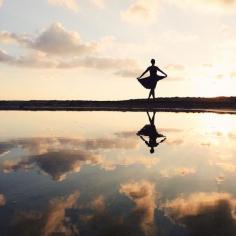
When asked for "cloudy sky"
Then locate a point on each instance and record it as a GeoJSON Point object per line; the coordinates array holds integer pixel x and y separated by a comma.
{"type": "Point", "coordinates": [95, 49]}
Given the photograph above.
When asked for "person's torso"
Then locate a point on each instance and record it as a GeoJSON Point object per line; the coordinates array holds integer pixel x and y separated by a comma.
{"type": "Point", "coordinates": [152, 143]}
{"type": "Point", "coordinates": [153, 70]}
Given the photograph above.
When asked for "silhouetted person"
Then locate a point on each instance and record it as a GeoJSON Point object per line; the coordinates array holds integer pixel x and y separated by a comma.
{"type": "Point", "coordinates": [151, 132]}
{"type": "Point", "coordinates": [150, 82]}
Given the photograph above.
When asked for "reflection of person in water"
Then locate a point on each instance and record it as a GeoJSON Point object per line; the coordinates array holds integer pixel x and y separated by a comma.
{"type": "Point", "coordinates": [150, 131]}
{"type": "Point", "coordinates": [150, 82]}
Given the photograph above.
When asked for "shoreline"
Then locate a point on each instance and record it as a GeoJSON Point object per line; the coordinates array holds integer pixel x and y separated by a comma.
{"type": "Point", "coordinates": [170, 104]}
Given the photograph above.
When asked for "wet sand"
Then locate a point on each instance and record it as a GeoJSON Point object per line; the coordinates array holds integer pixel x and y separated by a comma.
{"type": "Point", "coordinates": [172, 104]}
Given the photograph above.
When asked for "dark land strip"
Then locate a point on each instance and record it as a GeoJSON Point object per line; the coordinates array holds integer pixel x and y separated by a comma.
{"type": "Point", "coordinates": [172, 104]}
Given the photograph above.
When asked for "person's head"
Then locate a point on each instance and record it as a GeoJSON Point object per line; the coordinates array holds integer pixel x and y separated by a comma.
{"type": "Point", "coordinates": [153, 61]}
{"type": "Point", "coordinates": [152, 150]}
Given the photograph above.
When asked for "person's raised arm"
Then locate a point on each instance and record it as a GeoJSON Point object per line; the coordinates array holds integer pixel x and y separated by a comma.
{"type": "Point", "coordinates": [143, 73]}
{"type": "Point", "coordinates": [143, 138]}
{"type": "Point", "coordinates": [162, 71]}
{"type": "Point", "coordinates": [163, 140]}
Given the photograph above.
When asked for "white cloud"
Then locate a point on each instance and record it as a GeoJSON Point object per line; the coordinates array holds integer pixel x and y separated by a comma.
{"type": "Point", "coordinates": [11, 38]}
{"type": "Point", "coordinates": [207, 5]}
{"type": "Point", "coordinates": [99, 3]}
{"type": "Point", "coordinates": [69, 4]}
{"type": "Point", "coordinates": [35, 60]}
{"type": "Point", "coordinates": [57, 47]}
{"type": "Point", "coordinates": [101, 63]}
{"type": "Point", "coordinates": [40, 60]}
{"type": "Point", "coordinates": [1, 3]}
{"type": "Point", "coordinates": [141, 11]}
{"type": "Point", "coordinates": [174, 36]}
{"type": "Point", "coordinates": [131, 72]}
{"type": "Point", "coordinates": [57, 40]}
{"type": "Point", "coordinates": [4, 56]}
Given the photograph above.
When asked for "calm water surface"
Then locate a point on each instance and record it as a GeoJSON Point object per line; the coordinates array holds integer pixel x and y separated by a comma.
{"type": "Point", "coordinates": [105, 173]}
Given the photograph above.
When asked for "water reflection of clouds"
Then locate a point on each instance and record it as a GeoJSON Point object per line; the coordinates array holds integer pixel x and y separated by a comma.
{"type": "Point", "coordinates": [143, 194]}
{"type": "Point", "coordinates": [204, 213]}
{"type": "Point", "coordinates": [170, 130]}
{"type": "Point", "coordinates": [177, 141]}
{"type": "Point", "coordinates": [54, 220]}
{"type": "Point", "coordinates": [213, 123]}
{"type": "Point", "coordinates": [232, 136]}
{"type": "Point", "coordinates": [97, 216]}
{"type": "Point", "coordinates": [216, 139]}
{"type": "Point", "coordinates": [171, 141]}
{"type": "Point", "coordinates": [136, 219]}
{"type": "Point", "coordinates": [58, 157]}
{"type": "Point", "coordinates": [2, 200]}
{"type": "Point", "coordinates": [199, 213]}
{"type": "Point", "coordinates": [188, 165]}
{"type": "Point", "coordinates": [226, 166]}
{"type": "Point", "coordinates": [61, 156]}
{"type": "Point", "coordinates": [4, 148]}
{"type": "Point", "coordinates": [43, 145]}
{"type": "Point", "coordinates": [178, 171]}
{"type": "Point", "coordinates": [57, 164]}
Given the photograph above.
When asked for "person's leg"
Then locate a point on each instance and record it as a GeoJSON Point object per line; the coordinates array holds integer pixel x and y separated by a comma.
{"type": "Point", "coordinates": [153, 93]}
{"type": "Point", "coordinates": [150, 94]}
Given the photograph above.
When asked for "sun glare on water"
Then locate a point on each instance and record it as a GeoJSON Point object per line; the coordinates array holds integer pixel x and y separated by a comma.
{"type": "Point", "coordinates": [218, 125]}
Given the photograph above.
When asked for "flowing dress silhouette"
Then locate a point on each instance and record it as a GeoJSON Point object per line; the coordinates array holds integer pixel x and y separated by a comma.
{"type": "Point", "coordinates": [150, 82]}
{"type": "Point", "coordinates": [150, 131]}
